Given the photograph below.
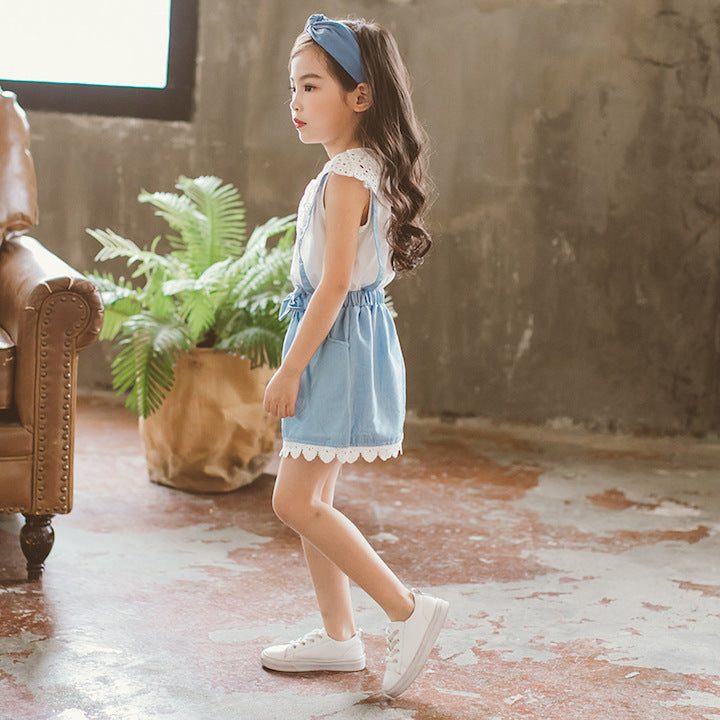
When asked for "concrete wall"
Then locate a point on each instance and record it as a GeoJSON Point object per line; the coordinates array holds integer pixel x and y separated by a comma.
{"type": "Point", "coordinates": [576, 144]}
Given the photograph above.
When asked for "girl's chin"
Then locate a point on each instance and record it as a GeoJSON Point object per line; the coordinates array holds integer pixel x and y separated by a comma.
{"type": "Point", "coordinates": [307, 139]}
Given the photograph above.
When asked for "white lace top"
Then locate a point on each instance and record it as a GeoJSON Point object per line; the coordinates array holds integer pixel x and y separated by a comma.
{"type": "Point", "coordinates": [359, 163]}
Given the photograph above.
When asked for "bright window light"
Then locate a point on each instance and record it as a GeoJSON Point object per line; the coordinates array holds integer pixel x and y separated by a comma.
{"type": "Point", "coordinates": [92, 42]}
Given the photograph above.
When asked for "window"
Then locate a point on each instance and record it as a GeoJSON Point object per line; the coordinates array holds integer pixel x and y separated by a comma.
{"type": "Point", "coordinates": [115, 57]}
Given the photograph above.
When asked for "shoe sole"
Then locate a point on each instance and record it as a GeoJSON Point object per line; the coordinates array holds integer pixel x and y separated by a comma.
{"type": "Point", "coordinates": [315, 665]}
{"type": "Point", "coordinates": [433, 630]}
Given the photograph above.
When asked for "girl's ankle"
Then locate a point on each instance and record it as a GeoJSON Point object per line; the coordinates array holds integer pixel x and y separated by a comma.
{"type": "Point", "coordinates": [341, 636]}
{"type": "Point", "coordinates": [404, 611]}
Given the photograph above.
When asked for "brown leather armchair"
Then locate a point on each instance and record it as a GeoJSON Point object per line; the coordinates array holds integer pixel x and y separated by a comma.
{"type": "Point", "coordinates": [48, 313]}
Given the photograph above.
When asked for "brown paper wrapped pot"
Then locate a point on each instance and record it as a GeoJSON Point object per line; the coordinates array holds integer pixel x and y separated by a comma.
{"type": "Point", "coordinates": [211, 433]}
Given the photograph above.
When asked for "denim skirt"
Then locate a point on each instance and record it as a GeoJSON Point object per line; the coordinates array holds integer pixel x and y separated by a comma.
{"type": "Point", "coordinates": [351, 401]}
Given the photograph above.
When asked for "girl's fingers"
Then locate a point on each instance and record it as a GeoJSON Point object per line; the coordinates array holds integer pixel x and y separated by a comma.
{"type": "Point", "coordinates": [279, 411]}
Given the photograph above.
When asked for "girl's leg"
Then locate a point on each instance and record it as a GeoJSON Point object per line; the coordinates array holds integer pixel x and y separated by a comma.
{"type": "Point", "coordinates": [298, 502]}
{"type": "Point", "coordinates": [332, 587]}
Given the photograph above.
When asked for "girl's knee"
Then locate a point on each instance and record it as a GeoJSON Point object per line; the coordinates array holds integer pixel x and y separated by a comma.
{"type": "Point", "coordinates": [282, 506]}
{"type": "Point", "coordinates": [295, 512]}
{"type": "Point", "coordinates": [300, 486]}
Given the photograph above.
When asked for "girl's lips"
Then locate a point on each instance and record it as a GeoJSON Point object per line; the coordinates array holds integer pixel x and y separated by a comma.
{"type": "Point", "coordinates": [299, 123]}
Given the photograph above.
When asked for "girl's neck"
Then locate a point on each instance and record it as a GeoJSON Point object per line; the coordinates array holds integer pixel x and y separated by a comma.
{"type": "Point", "coordinates": [333, 150]}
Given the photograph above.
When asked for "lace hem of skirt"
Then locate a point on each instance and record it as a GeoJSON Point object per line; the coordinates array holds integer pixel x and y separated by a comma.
{"type": "Point", "coordinates": [344, 455]}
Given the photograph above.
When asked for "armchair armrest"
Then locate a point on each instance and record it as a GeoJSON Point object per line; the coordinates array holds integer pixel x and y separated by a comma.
{"type": "Point", "coordinates": [51, 312]}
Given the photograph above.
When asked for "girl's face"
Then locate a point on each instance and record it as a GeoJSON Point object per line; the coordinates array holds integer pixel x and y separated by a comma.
{"type": "Point", "coordinates": [322, 111]}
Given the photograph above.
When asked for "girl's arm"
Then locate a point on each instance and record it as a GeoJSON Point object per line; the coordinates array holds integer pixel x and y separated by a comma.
{"type": "Point", "coordinates": [346, 203]}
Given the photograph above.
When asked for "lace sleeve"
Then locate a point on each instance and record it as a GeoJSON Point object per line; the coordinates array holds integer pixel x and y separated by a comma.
{"type": "Point", "coordinates": [357, 163]}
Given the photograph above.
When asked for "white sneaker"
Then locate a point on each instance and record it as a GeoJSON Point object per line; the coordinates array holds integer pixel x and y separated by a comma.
{"type": "Point", "coordinates": [410, 642]}
{"type": "Point", "coordinates": [316, 651]}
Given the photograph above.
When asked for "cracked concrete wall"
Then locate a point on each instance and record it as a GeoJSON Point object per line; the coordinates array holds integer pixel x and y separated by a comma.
{"type": "Point", "coordinates": [610, 275]}
{"type": "Point", "coordinates": [575, 153]}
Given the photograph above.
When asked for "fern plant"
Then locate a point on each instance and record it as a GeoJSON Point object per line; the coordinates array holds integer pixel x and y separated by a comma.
{"type": "Point", "coordinates": [215, 288]}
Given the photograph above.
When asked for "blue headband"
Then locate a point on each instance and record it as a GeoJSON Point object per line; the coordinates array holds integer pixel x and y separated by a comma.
{"type": "Point", "coordinates": [339, 41]}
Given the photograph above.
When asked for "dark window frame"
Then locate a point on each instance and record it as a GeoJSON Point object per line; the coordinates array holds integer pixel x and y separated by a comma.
{"type": "Point", "coordinates": [173, 102]}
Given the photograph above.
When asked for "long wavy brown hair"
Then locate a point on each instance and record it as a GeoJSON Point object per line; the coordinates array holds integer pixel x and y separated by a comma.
{"type": "Point", "coordinates": [390, 128]}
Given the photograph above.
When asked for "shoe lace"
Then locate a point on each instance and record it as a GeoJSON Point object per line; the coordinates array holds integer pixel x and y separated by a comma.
{"type": "Point", "coordinates": [393, 641]}
{"type": "Point", "coordinates": [308, 638]}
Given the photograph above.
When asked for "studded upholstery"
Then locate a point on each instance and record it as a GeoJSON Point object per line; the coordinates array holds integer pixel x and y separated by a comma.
{"type": "Point", "coordinates": [48, 313]}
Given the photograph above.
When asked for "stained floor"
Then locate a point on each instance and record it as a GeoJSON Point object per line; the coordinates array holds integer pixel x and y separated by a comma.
{"type": "Point", "coordinates": [582, 573]}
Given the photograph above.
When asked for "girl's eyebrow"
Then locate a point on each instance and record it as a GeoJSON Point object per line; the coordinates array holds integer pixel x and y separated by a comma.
{"type": "Point", "coordinates": [306, 76]}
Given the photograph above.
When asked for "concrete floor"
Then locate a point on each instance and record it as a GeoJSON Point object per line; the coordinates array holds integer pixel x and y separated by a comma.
{"type": "Point", "coordinates": [582, 573]}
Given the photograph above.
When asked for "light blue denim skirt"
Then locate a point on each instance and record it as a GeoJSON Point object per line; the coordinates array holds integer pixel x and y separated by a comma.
{"type": "Point", "coordinates": [351, 401]}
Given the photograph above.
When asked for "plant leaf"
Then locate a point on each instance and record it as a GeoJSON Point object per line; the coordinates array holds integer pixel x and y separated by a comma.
{"type": "Point", "coordinates": [272, 273]}
{"type": "Point", "coordinates": [116, 314]}
{"type": "Point", "coordinates": [115, 246]}
{"type": "Point", "coordinates": [198, 310]}
{"type": "Point", "coordinates": [177, 210]}
{"type": "Point", "coordinates": [120, 300]}
{"type": "Point", "coordinates": [260, 345]}
{"type": "Point", "coordinates": [257, 244]}
{"type": "Point", "coordinates": [221, 217]}
{"type": "Point", "coordinates": [144, 365]}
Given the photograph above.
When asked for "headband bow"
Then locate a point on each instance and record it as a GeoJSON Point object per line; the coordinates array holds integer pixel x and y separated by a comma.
{"type": "Point", "coordinates": [339, 41]}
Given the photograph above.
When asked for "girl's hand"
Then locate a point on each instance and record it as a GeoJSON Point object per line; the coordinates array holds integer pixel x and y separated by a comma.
{"type": "Point", "coordinates": [281, 393]}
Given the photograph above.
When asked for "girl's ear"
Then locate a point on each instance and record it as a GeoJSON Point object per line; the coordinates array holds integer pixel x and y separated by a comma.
{"type": "Point", "coordinates": [362, 97]}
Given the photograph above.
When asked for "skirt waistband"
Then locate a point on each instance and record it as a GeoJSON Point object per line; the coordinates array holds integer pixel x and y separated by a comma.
{"type": "Point", "coordinates": [298, 299]}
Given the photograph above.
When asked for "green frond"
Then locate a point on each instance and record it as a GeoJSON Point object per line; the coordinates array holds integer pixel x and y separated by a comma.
{"type": "Point", "coordinates": [198, 310]}
{"type": "Point", "coordinates": [259, 345]}
{"type": "Point", "coordinates": [261, 309]}
{"type": "Point", "coordinates": [274, 226]}
{"type": "Point", "coordinates": [288, 236]}
{"type": "Point", "coordinates": [120, 300]}
{"type": "Point", "coordinates": [144, 365]}
{"type": "Point", "coordinates": [172, 265]}
{"type": "Point", "coordinates": [222, 221]}
{"type": "Point", "coordinates": [159, 304]}
{"type": "Point", "coordinates": [271, 274]}
{"type": "Point", "coordinates": [258, 312]}
{"type": "Point", "coordinates": [116, 246]}
{"type": "Point", "coordinates": [113, 245]}
{"type": "Point", "coordinates": [116, 314]}
{"type": "Point", "coordinates": [258, 242]}
{"type": "Point", "coordinates": [179, 286]}
{"type": "Point", "coordinates": [178, 211]}
{"type": "Point", "coordinates": [216, 276]}
{"type": "Point", "coordinates": [162, 306]}
{"type": "Point", "coordinates": [111, 289]}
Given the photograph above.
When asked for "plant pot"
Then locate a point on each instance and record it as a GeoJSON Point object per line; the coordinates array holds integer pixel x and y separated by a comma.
{"type": "Point", "coordinates": [211, 433]}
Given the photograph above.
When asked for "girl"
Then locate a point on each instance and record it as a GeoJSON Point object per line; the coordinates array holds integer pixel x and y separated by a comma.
{"type": "Point", "coordinates": [340, 389]}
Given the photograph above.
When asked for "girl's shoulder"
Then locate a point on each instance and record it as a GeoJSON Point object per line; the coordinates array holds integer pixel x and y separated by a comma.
{"type": "Point", "coordinates": [359, 163]}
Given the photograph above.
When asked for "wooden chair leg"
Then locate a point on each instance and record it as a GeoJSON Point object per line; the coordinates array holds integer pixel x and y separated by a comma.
{"type": "Point", "coordinates": [36, 540]}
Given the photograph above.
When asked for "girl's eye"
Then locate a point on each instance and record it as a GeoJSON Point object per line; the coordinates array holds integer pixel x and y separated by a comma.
{"type": "Point", "coordinates": [306, 88]}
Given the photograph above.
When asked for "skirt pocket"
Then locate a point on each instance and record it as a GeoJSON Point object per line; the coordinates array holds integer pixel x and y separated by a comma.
{"type": "Point", "coordinates": [322, 412]}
